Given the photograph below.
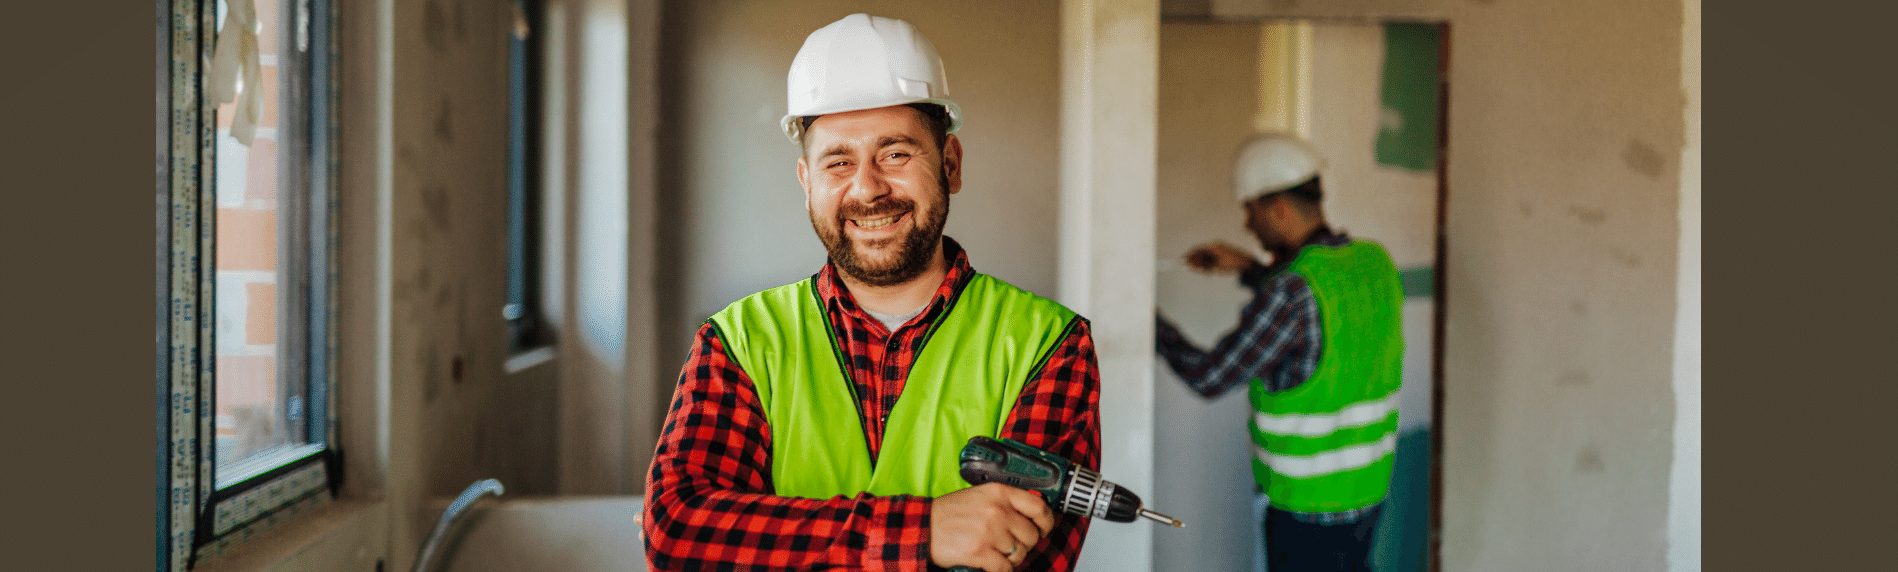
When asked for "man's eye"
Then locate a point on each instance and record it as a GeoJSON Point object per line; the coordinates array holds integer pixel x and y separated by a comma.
{"type": "Point", "coordinates": [898, 155]}
{"type": "Point", "coordinates": [837, 164]}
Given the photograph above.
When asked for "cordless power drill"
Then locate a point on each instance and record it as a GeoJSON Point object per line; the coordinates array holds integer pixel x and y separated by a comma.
{"type": "Point", "coordinates": [1067, 488]}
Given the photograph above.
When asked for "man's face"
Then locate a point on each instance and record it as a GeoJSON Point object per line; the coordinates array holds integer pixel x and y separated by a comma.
{"type": "Point", "coordinates": [1261, 219]}
{"type": "Point", "coordinates": [878, 188]}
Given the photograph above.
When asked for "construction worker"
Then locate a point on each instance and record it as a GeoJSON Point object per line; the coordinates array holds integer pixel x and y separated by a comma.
{"type": "Point", "coordinates": [817, 425]}
{"type": "Point", "coordinates": [1320, 350]}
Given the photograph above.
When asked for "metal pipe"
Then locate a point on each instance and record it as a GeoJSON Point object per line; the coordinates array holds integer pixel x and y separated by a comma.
{"type": "Point", "coordinates": [453, 513]}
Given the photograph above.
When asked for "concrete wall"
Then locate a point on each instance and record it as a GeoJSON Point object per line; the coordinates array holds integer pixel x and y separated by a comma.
{"type": "Point", "coordinates": [601, 118]}
{"type": "Point", "coordinates": [1394, 206]}
{"type": "Point", "coordinates": [1209, 90]}
{"type": "Point", "coordinates": [1566, 132]}
{"type": "Point", "coordinates": [1110, 52]}
{"type": "Point", "coordinates": [734, 215]}
{"type": "Point", "coordinates": [422, 231]}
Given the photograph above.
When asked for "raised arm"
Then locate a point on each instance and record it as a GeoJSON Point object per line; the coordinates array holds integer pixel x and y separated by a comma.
{"type": "Point", "coordinates": [1276, 340]}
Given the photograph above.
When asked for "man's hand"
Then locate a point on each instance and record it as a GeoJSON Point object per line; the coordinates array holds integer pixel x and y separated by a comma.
{"type": "Point", "coordinates": [1218, 256]}
{"type": "Point", "coordinates": [990, 526]}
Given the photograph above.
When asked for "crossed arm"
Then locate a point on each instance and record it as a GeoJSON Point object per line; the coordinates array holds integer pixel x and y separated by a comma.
{"type": "Point", "coordinates": [709, 503]}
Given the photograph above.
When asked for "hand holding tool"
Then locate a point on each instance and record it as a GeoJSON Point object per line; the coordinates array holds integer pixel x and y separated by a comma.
{"type": "Point", "coordinates": [1066, 487]}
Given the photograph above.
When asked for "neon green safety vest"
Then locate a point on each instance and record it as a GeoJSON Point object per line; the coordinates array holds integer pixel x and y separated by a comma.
{"type": "Point", "coordinates": [1327, 445]}
{"type": "Point", "coordinates": [992, 339]}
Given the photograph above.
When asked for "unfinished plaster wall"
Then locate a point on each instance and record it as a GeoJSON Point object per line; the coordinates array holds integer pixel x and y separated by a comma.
{"type": "Point", "coordinates": [1208, 93]}
{"type": "Point", "coordinates": [426, 404]}
{"type": "Point", "coordinates": [454, 415]}
{"type": "Point", "coordinates": [1566, 129]}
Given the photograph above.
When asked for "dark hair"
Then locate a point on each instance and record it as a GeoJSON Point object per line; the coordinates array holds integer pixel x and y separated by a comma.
{"type": "Point", "coordinates": [934, 115]}
{"type": "Point", "coordinates": [1311, 191]}
{"type": "Point", "coordinates": [1306, 196]}
{"type": "Point", "coordinates": [938, 119]}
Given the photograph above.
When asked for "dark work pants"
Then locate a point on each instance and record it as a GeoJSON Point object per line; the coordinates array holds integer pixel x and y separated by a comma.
{"type": "Point", "coordinates": [1293, 546]}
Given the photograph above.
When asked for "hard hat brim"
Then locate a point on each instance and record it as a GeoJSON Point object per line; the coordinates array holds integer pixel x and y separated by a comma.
{"type": "Point", "coordinates": [793, 124]}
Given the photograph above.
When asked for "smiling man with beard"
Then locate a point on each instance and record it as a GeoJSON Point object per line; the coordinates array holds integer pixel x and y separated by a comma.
{"type": "Point", "coordinates": [816, 425]}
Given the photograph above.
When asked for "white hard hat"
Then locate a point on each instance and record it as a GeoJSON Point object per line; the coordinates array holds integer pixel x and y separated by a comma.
{"type": "Point", "coordinates": [865, 62]}
{"type": "Point", "coordinates": [1273, 162]}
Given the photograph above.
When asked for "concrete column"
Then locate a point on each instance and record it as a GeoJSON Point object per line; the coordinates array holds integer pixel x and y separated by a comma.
{"type": "Point", "coordinates": [593, 179]}
{"type": "Point", "coordinates": [648, 389]}
{"type": "Point", "coordinates": [1109, 74]}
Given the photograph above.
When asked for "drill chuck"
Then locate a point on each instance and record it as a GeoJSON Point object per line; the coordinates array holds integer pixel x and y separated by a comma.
{"type": "Point", "coordinates": [1091, 496]}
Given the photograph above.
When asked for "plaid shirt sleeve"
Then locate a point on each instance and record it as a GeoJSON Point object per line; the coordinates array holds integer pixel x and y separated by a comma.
{"type": "Point", "coordinates": [708, 495]}
{"type": "Point", "coordinates": [1277, 340]}
{"type": "Point", "coordinates": [1059, 412]}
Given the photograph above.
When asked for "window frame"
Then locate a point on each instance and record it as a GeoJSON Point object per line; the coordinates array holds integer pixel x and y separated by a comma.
{"type": "Point", "coordinates": [524, 309]}
{"type": "Point", "coordinates": [197, 519]}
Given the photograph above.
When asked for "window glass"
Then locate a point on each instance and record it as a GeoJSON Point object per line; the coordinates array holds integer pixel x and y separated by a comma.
{"type": "Point", "coordinates": [263, 274]}
{"type": "Point", "coordinates": [244, 284]}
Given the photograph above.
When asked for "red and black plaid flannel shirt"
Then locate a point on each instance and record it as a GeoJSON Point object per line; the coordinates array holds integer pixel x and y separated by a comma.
{"type": "Point", "coordinates": [709, 502]}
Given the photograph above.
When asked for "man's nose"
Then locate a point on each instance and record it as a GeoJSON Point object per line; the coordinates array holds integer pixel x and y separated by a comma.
{"type": "Point", "coordinates": [868, 183]}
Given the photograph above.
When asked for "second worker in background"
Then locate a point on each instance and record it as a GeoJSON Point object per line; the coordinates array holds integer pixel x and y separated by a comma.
{"type": "Point", "coordinates": [1320, 350]}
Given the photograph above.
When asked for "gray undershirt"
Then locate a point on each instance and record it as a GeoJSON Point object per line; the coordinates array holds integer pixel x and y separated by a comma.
{"type": "Point", "coordinates": [893, 321]}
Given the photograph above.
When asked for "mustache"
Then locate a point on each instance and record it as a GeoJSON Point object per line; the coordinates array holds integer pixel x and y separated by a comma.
{"type": "Point", "coordinates": [878, 209]}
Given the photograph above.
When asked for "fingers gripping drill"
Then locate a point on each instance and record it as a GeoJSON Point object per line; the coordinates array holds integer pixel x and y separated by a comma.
{"type": "Point", "coordinates": [1066, 487]}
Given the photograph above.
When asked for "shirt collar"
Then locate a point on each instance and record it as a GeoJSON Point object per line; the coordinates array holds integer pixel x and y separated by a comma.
{"type": "Point", "coordinates": [836, 296]}
{"type": "Point", "coordinates": [1321, 236]}
{"type": "Point", "coordinates": [1324, 236]}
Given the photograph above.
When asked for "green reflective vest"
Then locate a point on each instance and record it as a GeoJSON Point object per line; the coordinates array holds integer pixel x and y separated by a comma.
{"type": "Point", "coordinates": [1328, 444]}
{"type": "Point", "coordinates": [973, 365]}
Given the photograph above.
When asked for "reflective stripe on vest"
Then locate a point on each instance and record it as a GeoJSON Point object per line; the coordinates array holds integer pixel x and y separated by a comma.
{"type": "Point", "coordinates": [1327, 445]}
{"type": "Point", "coordinates": [990, 341]}
{"type": "Point", "coordinates": [1320, 425]}
{"type": "Point", "coordinates": [1333, 461]}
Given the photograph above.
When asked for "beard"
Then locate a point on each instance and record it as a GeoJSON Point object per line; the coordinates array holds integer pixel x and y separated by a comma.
{"type": "Point", "coordinates": [914, 249]}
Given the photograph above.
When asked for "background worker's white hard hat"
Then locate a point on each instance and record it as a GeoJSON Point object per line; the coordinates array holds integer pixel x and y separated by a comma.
{"type": "Point", "coordinates": [1273, 162]}
{"type": "Point", "coordinates": [864, 62]}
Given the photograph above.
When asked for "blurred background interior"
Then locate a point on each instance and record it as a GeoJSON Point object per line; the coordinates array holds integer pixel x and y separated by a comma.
{"type": "Point", "coordinates": [449, 241]}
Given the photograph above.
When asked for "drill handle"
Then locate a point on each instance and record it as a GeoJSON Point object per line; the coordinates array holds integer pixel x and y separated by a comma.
{"type": "Point", "coordinates": [1013, 463]}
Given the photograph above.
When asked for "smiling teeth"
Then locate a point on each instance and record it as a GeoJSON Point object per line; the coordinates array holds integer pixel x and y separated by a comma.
{"type": "Point", "coordinates": [876, 224]}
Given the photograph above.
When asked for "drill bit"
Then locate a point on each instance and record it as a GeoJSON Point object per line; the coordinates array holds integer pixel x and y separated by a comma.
{"type": "Point", "coordinates": [1164, 519]}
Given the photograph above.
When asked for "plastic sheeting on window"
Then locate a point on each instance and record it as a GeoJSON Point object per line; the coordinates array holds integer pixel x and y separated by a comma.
{"type": "Point", "coordinates": [235, 69]}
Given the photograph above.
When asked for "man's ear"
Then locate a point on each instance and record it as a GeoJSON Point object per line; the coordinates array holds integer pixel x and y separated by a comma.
{"type": "Point", "coordinates": [804, 180]}
{"type": "Point", "coordinates": [952, 163]}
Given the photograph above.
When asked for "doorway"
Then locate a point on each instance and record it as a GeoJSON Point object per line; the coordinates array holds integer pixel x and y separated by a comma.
{"type": "Point", "coordinates": [1370, 97]}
